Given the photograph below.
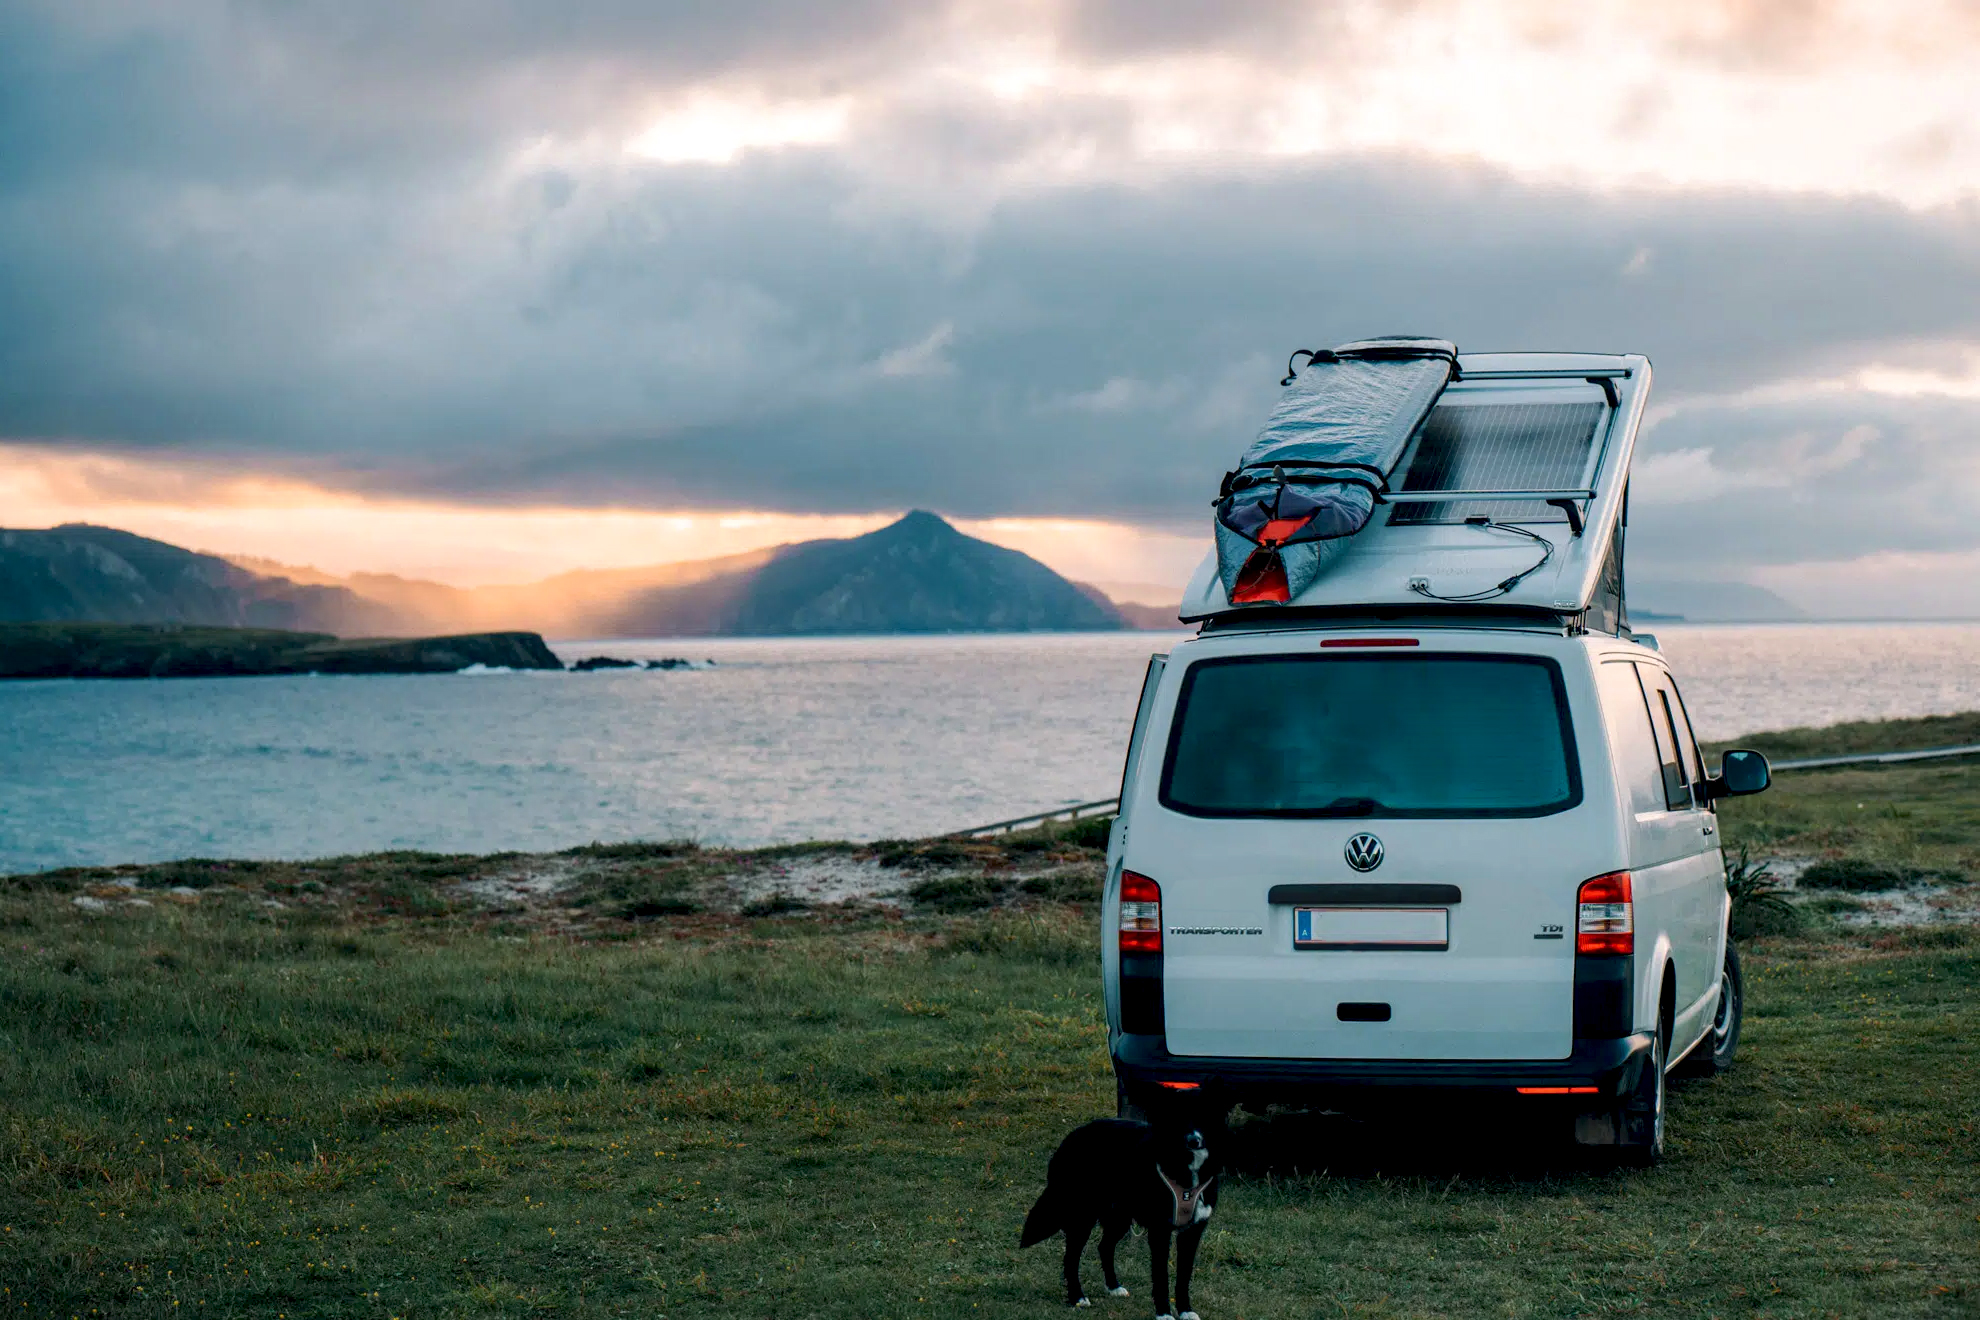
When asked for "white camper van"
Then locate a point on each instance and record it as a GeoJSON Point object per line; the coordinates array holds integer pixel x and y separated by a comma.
{"type": "Point", "coordinates": [1438, 821]}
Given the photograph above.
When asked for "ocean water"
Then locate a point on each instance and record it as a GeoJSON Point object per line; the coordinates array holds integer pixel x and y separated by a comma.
{"type": "Point", "coordinates": [781, 740]}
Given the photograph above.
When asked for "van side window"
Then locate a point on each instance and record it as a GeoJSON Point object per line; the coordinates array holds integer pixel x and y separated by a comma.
{"type": "Point", "coordinates": [1630, 734]}
{"type": "Point", "coordinates": [1677, 779]}
{"type": "Point", "coordinates": [1687, 736]}
{"type": "Point", "coordinates": [1149, 682]}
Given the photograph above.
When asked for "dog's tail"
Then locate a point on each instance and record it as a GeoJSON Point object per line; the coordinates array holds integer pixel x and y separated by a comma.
{"type": "Point", "coordinates": [1043, 1221]}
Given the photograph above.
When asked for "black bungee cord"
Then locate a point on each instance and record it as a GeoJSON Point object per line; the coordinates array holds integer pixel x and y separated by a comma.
{"type": "Point", "coordinates": [1421, 586]}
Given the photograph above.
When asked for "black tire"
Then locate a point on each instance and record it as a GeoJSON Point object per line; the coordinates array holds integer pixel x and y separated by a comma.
{"type": "Point", "coordinates": [1124, 1106]}
{"type": "Point", "coordinates": [1714, 1054]}
{"type": "Point", "coordinates": [1640, 1117]}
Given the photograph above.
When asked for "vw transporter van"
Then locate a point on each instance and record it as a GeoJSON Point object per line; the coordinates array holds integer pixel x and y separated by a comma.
{"type": "Point", "coordinates": [1431, 818]}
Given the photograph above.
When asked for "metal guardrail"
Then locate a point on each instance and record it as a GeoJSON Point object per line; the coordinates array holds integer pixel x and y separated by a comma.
{"type": "Point", "coordinates": [1811, 763]}
{"type": "Point", "coordinates": [1878, 758]}
{"type": "Point", "coordinates": [1037, 818]}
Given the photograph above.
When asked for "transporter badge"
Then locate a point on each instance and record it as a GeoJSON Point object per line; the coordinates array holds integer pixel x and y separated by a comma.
{"type": "Point", "coordinates": [1363, 852]}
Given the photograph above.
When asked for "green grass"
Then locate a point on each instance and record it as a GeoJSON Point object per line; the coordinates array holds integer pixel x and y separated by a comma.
{"type": "Point", "coordinates": [1923, 816]}
{"type": "Point", "coordinates": [215, 1107]}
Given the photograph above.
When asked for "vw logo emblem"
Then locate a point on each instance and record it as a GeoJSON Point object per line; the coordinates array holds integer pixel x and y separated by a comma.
{"type": "Point", "coordinates": [1363, 852]}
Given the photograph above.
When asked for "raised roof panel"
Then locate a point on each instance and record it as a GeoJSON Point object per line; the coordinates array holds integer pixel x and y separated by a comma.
{"type": "Point", "coordinates": [1547, 426]}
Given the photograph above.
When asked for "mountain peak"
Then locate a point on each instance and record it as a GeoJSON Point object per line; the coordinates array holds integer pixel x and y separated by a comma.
{"type": "Point", "coordinates": [917, 574]}
{"type": "Point", "coordinates": [921, 522]}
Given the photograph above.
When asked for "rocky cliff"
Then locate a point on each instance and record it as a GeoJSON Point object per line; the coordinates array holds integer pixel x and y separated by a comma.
{"type": "Point", "coordinates": [82, 573]}
{"type": "Point", "coordinates": [106, 650]}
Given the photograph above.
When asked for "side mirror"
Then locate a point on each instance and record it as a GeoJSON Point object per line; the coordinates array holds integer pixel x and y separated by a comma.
{"type": "Point", "coordinates": [1740, 772]}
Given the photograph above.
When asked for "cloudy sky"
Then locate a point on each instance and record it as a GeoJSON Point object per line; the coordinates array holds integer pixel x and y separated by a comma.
{"type": "Point", "coordinates": [478, 290]}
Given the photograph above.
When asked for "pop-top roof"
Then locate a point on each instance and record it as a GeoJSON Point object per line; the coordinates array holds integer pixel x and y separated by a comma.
{"type": "Point", "coordinates": [1539, 442]}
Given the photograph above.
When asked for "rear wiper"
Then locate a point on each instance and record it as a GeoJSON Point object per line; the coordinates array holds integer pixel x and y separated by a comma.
{"type": "Point", "coordinates": [1349, 806]}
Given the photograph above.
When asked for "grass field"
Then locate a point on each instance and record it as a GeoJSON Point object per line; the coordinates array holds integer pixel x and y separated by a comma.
{"type": "Point", "coordinates": [381, 1100]}
{"type": "Point", "coordinates": [219, 1107]}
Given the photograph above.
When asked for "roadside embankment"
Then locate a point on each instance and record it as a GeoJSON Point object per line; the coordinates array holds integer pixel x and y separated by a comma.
{"type": "Point", "coordinates": [113, 650]}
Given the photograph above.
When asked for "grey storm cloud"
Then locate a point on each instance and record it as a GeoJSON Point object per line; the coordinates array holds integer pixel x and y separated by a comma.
{"type": "Point", "coordinates": [1821, 479]}
{"type": "Point", "coordinates": [313, 236]}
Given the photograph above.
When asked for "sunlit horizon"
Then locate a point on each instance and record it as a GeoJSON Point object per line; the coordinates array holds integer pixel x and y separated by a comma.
{"type": "Point", "coordinates": [297, 523]}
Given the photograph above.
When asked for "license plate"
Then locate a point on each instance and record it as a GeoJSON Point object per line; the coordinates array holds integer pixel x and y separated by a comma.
{"type": "Point", "coordinates": [1371, 928]}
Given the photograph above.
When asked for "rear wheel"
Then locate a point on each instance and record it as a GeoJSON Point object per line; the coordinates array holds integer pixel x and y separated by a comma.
{"type": "Point", "coordinates": [1714, 1054]}
{"type": "Point", "coordinates": [1640, 1118]}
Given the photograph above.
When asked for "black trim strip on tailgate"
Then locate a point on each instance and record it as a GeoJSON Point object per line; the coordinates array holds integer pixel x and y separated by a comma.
{"type": "Point", "coordinates": [1366, 895]}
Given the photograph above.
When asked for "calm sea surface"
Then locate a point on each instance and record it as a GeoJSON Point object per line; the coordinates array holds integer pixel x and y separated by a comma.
{"type": "Point", "coordinates": [782, 740]}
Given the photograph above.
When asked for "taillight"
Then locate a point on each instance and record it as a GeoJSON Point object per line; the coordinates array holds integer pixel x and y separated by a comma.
{"type": "Point", "coordinates": [1605, 919]}
{"type": "Point", "coordinates": [1141, 914]}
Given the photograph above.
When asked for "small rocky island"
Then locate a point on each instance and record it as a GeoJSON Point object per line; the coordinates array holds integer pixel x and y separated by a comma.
{"type": "Point", "coordinates": [122, 650]}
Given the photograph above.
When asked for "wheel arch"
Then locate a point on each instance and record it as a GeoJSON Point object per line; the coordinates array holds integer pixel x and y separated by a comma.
{"type": "Point", "coordinates": [1659, 974]}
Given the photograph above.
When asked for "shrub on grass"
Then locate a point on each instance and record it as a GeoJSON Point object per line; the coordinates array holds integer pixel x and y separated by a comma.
{"type": "Point", "coordinates": [1033, 842]}
{"type": "Point", "coordinates": [65, 881]}
{"type": "Point", "coordinates": [652, 909]}
{"type": "Point", "coordinates": [957, 893]}
{"type": "Point", "coordinates": [1064, 887]}
{"type": "Point", "coordinates": [1859, 875]}
{"type": "Point", "coordinates": [195, 873]}
{"type": "Point", "coordinates": [638, 893]}
{"type": "Point", "coordinates": [916, 856]}
{"type": "Point", "coordinates": [980, 893]}
{"type": "Point", "coordinates": [637, 850]}
{"type": "Point", "coordinates": [1760, 905]}
{"type": "Point", "coordinates": [409, 865]}
{"type": "Point", "coordinates": [1090, 833]}
{"type": "Point", "coordinates": [774, 905]}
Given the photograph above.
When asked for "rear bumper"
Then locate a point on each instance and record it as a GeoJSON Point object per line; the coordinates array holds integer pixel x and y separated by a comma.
{"type": "Point", "coordinates": [1606, 1064]}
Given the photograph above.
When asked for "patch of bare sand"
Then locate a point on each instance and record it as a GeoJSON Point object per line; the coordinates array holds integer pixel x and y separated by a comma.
{"type": "Point", "coordinates": [821, 879]}
{"type": "Point", "coordinates": [1913, 905]}
{"type": "Point", "coordinates": [529, 880]}
{"type": "Point", "coordinates": [827, 877]}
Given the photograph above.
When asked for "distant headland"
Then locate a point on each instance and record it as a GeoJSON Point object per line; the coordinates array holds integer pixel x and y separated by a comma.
{"type": "Point", "coordinates": [917, 575]}
{"type": "Point", "coordinates": [116, 650]}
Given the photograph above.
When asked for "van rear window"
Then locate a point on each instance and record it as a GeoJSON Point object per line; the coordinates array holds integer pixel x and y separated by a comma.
{"type": "Point", "coordinates": [1390, 735]}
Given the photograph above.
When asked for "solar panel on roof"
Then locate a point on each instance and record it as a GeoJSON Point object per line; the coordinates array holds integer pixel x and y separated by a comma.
{"type": "Point", "coordinates": [1497, 446]}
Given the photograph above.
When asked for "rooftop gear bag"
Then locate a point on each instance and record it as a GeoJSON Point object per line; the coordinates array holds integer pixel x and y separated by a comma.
{"type": "Point", "coordinates": [1311, 477]}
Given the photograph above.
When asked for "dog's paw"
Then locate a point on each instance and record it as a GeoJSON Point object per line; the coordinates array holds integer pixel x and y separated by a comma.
{"type": "Point", "coordinates": [1189, 1315]}
{"type": "Point", "coordinates": [1082, 1302]}
{"type": "Point", "coordinates": [1118, 1292]}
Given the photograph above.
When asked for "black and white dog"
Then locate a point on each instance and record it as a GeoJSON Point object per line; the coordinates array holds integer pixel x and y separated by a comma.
{"type": "Point", "coordinates": [1116, 1173]}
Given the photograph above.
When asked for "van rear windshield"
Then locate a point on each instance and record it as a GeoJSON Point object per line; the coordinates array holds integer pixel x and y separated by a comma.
{"type": "Point", "coordinates": [1390, 735]}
